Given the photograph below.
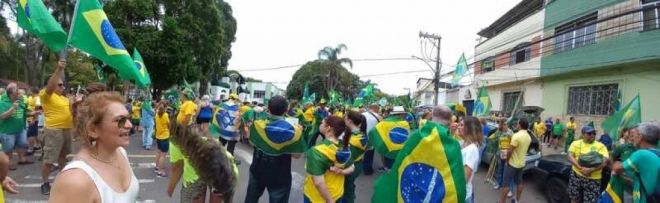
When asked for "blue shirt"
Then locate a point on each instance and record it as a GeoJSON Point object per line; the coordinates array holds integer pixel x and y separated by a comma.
{"type": "Point", "coordinates": [606, 140]}
{"type": "Point", "coordinates": [486, 130]}
{"type": "Point", "coordinates": [147, 117]}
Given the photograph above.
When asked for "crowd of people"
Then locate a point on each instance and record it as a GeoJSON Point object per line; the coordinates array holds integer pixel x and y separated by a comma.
{"type": "Point", "coordinates": [102, 123]}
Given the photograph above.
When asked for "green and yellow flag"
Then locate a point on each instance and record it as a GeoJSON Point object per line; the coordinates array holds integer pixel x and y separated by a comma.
{"type": "Point", "coordinates": [614, 191]}
{"type": "Point", "coordinates": [319, 160]}
{"type": "Point", "coordinates": [482, 106]}
{"type": "Point", "coordinates": [143, 79]}
{"type": "Point", "coordinates": [629, 116]}
{"type": "Point", "coordinates": [34, 17]}
{"type": "Point", "coordinates": [277, 136]}
{"type": "Point", "coordinates": [93, 33]}
{"type": "Point", "coordinates": [389, 136]}
{"type": "Point", "coordinates": [429, 168]}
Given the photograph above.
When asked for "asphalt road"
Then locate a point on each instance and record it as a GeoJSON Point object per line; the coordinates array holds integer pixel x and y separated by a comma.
{"type": "Point", "coordinates": [152, 188]}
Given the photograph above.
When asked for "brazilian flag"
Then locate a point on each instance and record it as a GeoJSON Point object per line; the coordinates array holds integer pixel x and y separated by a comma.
{"type": "Point", "coordinates": [319, 160]}
{"type": "Point", "coordinates": [34, 17]}
{"type": "Point", "coordinates": [93, 33]}
{"type": "Point", "coordinates": [143, 79]}
{"type": "Point", "coordinates": [429, 168]}
{"type": "Point", "coordinates": [276, 136]}
{"type": "Point", "coordinates": [614, 191]}
{"type": "Point", "coordinates": [389, 136]}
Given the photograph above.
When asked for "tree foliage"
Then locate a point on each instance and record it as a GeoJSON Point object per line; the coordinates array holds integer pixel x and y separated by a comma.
{"type": "Point", "coordinates": [313, 72]}
{"type": "Point", "coordinates": [178, 40]}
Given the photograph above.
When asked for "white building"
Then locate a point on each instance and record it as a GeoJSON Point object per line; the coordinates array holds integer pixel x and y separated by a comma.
{"type": "Point", "coordinates": [508, 61]}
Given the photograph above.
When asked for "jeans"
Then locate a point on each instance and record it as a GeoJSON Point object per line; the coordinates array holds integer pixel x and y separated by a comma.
{"type": "Point", "coordinates": [367, 162]}
{"type": "Point", "coordinates": [13, 140]}
{"type": "Point", "coordinates": [147, 133]}
{"type": "Point", "coordinates": [499, 176]}
{"type": "Point", "coordinates": [470, 199]}
{"type": "Point", "coordinates": [277, 193]}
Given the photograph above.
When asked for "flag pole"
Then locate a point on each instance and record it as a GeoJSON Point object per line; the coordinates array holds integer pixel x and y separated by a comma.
{"type": "Point", "coordinates": [63, 52]}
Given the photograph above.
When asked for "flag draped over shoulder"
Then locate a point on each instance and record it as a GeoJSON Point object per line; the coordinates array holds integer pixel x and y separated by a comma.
{"type": "Point", "coordinates": [34, 17]}
{"type": "Point", "coordinates": [389, 136]}
{"type": "Point", "coordinates": [93, 33]}
{"type": "Point", "coordinates": [482, 106]}
{"type": "Point", "coordinates": [629, 116]}
{"type": "Point", "coordinates": [614, 191]}
{"type": "Point", "coordinates": [429, 168]}
{"type": "Point", "coordinates": [277, 137]}
{"type": "Point", "coordinates": [461, 68]}
{"type": "Point", "coordinates": [226, 121]}
{"type": "Point", "coordinates": [143, 79]}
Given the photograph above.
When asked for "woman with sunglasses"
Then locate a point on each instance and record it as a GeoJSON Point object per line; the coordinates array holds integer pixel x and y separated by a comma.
{"type": "Point", "coordinates": [100, 172]}
{"type": "Point", "coordinates": [327, 163]}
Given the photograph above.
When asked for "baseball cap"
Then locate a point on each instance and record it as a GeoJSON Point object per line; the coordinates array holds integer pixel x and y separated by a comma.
{"type": "Point", "coordinates": [588, 129]}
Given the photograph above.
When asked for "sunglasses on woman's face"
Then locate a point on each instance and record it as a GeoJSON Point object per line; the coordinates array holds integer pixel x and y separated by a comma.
{"type": "Point", "coordinates": [121, 121]}
{"type": "Point", "coordinates": [60, 85]}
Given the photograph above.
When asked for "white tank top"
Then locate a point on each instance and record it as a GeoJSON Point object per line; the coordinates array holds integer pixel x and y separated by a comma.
{"type": "Point", "coordinates": [108, 195]}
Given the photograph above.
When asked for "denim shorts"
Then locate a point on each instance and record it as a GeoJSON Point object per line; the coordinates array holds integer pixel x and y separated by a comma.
{"type": "Point", "coordinates": [163, 145]}
{"type": "Point", "coordinates": [13, 140]}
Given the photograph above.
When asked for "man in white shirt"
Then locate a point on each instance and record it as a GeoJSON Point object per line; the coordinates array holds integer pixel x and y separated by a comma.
{"type": "Point", "coordinates": [373, 117]}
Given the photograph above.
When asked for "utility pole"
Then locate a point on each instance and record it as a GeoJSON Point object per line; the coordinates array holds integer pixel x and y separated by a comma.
{"type": "Point", "coordinates": [438, 64]}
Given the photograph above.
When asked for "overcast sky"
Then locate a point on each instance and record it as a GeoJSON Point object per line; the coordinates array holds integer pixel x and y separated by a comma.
{"type": "Point", "coordinates": [289, 32]}
{"type": "Point", "coordinates": [280, 33]}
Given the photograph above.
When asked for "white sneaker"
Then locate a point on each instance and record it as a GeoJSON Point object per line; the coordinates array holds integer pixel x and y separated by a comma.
{"type": "Point", "coordinates": [496, 187]}
{"type": "Point", "coordinates": [509, 194]}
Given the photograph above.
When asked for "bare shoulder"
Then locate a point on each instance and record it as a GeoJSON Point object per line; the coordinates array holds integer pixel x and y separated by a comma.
{"type": "Point", "coordinates": [73, 182]}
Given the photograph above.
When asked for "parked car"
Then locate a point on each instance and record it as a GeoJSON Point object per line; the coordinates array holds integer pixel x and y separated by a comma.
{"type": "Point", "coordinates": [556, 170]}
{"type": "Point", "coordinates": [534, 151]}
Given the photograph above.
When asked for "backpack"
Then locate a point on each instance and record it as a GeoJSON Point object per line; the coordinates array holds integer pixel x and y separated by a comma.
{"type": "Point", "coordinates": [655, 197]}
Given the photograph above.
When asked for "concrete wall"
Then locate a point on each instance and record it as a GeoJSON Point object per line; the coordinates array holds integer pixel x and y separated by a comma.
{"type": "Point", "coordinates": [532, 97]}
{"type": "Point", "coordinates": [522, 31]}
{"type": "Point", "coordinates": [633, 79]}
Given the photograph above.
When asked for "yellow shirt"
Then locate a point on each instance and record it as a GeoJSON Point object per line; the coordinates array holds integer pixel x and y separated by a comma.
{"type": "Point", "coordinates": [339, 114]}
{"type": "Point", "coordinates": [539, 129]}
{"type": "Point", "coordinates": [162, 126]}
{"type": "Point", "coordinates": [57, 112]}
{"type": "Point", "coordinates": [137, 110]}
{"type": "Point", "coordinates": [504, 141]}
{"type": "Point", "coordinates": [188, 108]}
{"type": "Point", "coordinates": [32, 104]}
{"type": "Point", "coordinates": [309, 115]}
{"type": "Point", "coordinates": [244, 109]}
{"type": "Point", "coordinates": [521, 141]}
{"type": "Point", "coordinates": [580, 147]}
{"type": "Point", "coordinates": [571, 125]}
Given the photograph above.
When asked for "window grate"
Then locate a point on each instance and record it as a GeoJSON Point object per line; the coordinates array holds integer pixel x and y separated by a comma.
{"type": "Point", "coordinates": [594, 100]}
{"type": "Point", "coordinates": [509, 102]}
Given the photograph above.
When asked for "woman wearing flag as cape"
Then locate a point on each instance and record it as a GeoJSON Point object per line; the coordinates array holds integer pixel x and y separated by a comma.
{"type": "Point", "coordinates": [414, 171]}
{"type": "Point", "coordinates": [226, 123]}
{"type": "Point", "coordinates": [275, 142]}
{"type": "Point", "coordinates": [357, 124]}
{"type": "Point", "coordinates": [328, 163]}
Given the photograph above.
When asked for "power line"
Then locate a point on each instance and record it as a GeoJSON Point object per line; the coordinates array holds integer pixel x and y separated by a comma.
{"type": "Point", "coordinates": [354, 60]}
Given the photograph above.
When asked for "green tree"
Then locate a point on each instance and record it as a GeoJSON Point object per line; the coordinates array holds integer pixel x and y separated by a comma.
{"type": "Point", "coordinates": [313, 72]}
{"type": "Point", "coordinates": [330, 55]}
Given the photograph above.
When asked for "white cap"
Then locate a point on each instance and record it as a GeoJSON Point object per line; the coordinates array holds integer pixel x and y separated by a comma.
{"type": "Point", "coordinates": [398, 110]}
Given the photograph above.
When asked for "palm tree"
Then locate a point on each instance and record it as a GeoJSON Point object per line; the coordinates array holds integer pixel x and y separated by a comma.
{"type": "Point", "coordinates": [330, 58]}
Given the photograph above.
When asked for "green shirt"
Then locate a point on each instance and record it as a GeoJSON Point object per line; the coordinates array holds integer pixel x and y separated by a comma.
{"type": "Point", "coordinates": [621, 153]}
{"type": "Point", "coordinates": [646, 164]}
{"type": "Point", "coordinates": [558, 129]}
{"type": "Point", "coordinates": [189, 173]}
{"type": "Point", "coordinates": [16, 121]}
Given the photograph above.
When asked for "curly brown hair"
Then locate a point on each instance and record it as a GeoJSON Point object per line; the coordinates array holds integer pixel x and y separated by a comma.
{"type": "Point", "coordinates": [91, 111]}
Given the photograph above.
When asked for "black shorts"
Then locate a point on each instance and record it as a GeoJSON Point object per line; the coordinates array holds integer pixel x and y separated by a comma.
{"type": "Point", "coordinates": [512, 175]}
{"type": "Point", "coordinates": [203, 120]}
{"type": "Point", "coordinates": [135, 122]}
{"type": "Point", "coordinates": [163, 145]}
{"type": "Point", "coordinates": [33, 130]}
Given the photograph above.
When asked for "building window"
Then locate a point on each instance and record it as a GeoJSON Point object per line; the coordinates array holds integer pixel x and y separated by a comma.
{"type": "Point", "coordinates": [509, 100]}
{"type": "Point", "coordinates": [259, 94]}
{"type": "Point", "coordinates": [576, 33]}
{"type": "Point", "coordinates": [594, 100]}
{"type": "Point", "coordinates": [521, 53]}
{"type": "Point", "coordinates": [488, 65]}
{"type": "Point", "coordinates": [650, 16]}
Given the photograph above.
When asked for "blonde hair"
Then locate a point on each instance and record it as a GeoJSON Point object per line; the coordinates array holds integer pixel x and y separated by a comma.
{"type": "Point", "coordinates": [91, 111]}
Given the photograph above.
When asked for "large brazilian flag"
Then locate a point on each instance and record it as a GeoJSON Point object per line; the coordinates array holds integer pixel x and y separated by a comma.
{"type": "Point", "coordinates": [389, 136]}
{"type": "Point", "coordinates": [93, 33]}
{"type": "Point", "coordinates": [429, 168]}
{"type": "Point", "coordinates": [276, 136]}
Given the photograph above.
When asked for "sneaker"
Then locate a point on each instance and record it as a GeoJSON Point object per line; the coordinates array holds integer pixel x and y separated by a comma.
{"type": "Point", "coordinates": [383, 169]}
{"type": "Point", "coordinates": [510, 194]}
{"type": "Point", "coordinates": [514, 201]}
{"type": "Point", "coordinates": [496, 187]}
{"type": "Point", "coordinates": [563, 153]}
{"type": "Point", "coordinates": [161, 175]}
{"type": "Point", "coordinates": [45, 188]}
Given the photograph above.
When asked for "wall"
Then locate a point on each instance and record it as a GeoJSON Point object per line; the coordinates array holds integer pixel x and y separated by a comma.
{"type": "Point", "coordinates": [519, 33]}
{"type": "Point", "coordinates": [532, 97]}
{"type": "Point", "coordinates": [521, 71]}
{"type": "Point", "coordinates": [559, 12]}
{"type": "Point", "coordinates": [633, 79]}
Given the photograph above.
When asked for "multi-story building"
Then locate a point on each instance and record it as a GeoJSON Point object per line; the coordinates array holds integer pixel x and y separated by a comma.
{"type": "Point", "coordinates": [593, 51]}
{"type": "Point", "coordinates": [507, 60]}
